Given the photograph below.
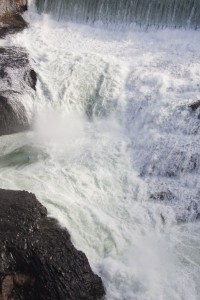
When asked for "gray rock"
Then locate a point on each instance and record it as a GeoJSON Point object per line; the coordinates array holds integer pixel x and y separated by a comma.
{"type": "Point", "coordinates": [17, 90]}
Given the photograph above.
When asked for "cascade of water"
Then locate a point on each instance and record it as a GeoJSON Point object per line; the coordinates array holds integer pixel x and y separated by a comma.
{"type": "Point", "coordinates": [115, 158]}
{"type": "Point", "coordinates": [114, 154]}
{"type": "Point", "coordinates": [145, 13]}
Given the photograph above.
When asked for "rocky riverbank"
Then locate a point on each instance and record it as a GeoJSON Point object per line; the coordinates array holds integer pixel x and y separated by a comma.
{"type": "Point", "coordinates": [17, 78]}
{"type": "Point", "coordinates": [11, 20]}
{"type": "Point", "coordinates": [17, 90]}
{"type": "Point", "coordinates": [38, 260]}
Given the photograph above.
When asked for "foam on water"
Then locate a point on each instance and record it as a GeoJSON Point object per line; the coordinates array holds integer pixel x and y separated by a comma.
{"type": "Point", "coordinates": [111, 108]}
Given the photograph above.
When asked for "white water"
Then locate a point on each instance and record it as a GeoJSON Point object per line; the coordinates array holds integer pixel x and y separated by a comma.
{"type": "Point", "coordinates": [111, 118]}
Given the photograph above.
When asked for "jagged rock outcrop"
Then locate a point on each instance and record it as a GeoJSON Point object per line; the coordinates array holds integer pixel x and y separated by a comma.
{"type": "Point", "coordinates": [38, 260]}
{"type": "Point", "coordinates": [10, 19]}
{"type": "Point", "coordinates": [10, 24]}
{"type": "Point", "coordinates": [12, 6]}
{"type": "Point", "coordinates": [17, 90]}
{"type": "Point", "coordinates": [17, 78]}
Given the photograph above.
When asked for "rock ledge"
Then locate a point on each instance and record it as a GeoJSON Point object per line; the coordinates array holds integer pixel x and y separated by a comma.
{"type": "Point", "coordinates": [38, 260]}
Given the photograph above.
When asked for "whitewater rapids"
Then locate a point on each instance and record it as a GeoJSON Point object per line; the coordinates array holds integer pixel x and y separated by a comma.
{"type": "Point", "coordinates": [111, 111]}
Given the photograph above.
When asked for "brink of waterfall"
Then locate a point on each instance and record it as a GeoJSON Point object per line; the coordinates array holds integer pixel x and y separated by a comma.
{"type": "Point", "coordinates": [143, 13]}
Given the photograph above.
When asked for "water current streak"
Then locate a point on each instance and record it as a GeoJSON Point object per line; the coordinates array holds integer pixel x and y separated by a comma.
{"type": "Point", "coordinates": [144, 13]}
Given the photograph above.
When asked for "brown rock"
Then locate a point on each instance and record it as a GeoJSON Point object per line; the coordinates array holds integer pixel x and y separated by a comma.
{"type": "Point", "coordinates": [10, 19]}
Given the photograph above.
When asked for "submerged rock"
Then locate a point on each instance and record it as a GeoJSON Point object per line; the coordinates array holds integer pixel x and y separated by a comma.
{"type": "Point", "coordinates": [191, 212]}
{"type": "Point", "coordinates": [173, 163]}
{"type": "Point", "coordinates": [38, 260]}
{"type": "Point", "coordinates": [162, 196]}
{"type": "Point", "coordinates": [195, 105]}
{"type": "Point", "coordinates": [17, 85]}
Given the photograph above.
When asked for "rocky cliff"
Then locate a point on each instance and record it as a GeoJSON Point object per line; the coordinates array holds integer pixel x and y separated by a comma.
{"type": "Point", "coordinates": [17, 78]}
{"type": "Point", "coordinates": [37, 258]}
{"type": "Point", "coordinates": [17, 90]}
{"type": "Point", "coordinates": [12, 6]}
{"type": "Point", "coordinates": [11, 20]}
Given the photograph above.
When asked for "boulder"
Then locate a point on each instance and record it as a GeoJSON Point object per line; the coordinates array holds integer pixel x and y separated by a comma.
{"type": "Point", "coordinates": [12, 6]}
{"type": "Point", "coordinates": [10, 19]}
{"type": "Point", "coordinates": [38, 260]}
{"type": "Point", "coordinates": [195, 105]}
{"type": "Point", "coordinates": [10, 24]}
{"type": "Point", "coordinates": [17, 90]}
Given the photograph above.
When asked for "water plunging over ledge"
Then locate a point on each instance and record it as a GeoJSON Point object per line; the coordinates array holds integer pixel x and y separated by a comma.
{"type": "Point", "coordinates": [114, 153]}
{"type": "Point", "coordinates": [144, 13]}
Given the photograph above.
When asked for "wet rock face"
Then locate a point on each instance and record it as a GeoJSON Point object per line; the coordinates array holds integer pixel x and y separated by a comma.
{"type": "Point", "coordinates": [17, 90]}
{"type": "Point", "coordinates": [21, 5]}
{"type": "Point", "coordinates": [12, 6]}
{"type": "Point", "coordinates": [38, 260]}
{"type": "Point", "coordinates": [10, 24]}
{"type": "Point", "coordinates": [10, 19]}
{"type": "Point", "coordinates": [195, 105]}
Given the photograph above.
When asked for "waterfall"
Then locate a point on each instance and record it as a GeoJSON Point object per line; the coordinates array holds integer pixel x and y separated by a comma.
{"type": "Point", "coordinates": [114, 150]}
{"type": "Point", "coordinates": [144, 13]}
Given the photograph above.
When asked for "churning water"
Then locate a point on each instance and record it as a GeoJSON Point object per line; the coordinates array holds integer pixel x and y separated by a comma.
{"type": "Point", "coordinates": [114, 154]}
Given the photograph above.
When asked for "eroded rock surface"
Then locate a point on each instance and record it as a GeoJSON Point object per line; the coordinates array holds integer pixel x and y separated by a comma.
{"type": "Point", "coordinates": [12, 6]}
{"type": "Point", "coordinates": [10, 24]}
{"type": "Point", "coordinates": [17, 90]}
{"type": "Point", "coordinates": [10, 19]}
{"type": "Point", "coordinates": [38, 260]}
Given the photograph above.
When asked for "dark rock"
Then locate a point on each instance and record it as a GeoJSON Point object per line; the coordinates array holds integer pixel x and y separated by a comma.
{"type": "Point", "coordinates": [17, 85]}
{"type": "Point", "coordinates": [38, 260]}
{"type": "Point", "coordinates": [31, 79]}
{"type": "Point", "coordinates": [194, 106]}
{"type": "Point", "coordinates": [163, 195]}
